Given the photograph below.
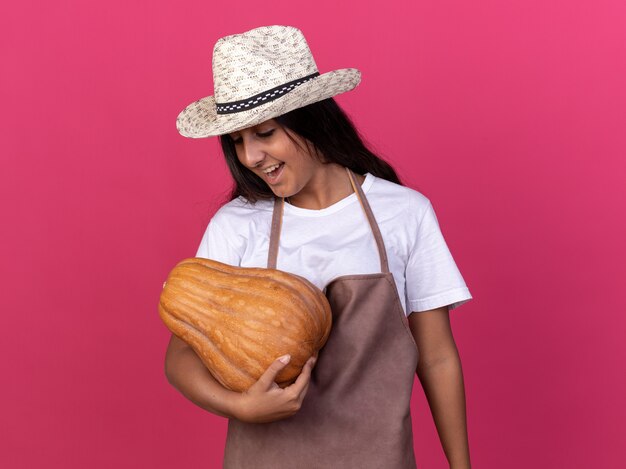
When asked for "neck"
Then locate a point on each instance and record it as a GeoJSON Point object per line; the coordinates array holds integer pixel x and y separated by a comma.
{"type": "Point", "coordinates": [330, 185]}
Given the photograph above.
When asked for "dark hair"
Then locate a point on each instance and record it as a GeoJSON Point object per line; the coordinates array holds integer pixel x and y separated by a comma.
{"type": "Point", "coordinates": [331, 134]}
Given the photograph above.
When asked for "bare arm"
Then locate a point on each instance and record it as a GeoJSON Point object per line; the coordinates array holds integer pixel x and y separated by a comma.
{"type": "Point", "coordinates": [265, 401]}
{"type": "Point", "coordinates": [186, 372]}
{"type": "Point", "coordinates": [439, 371]}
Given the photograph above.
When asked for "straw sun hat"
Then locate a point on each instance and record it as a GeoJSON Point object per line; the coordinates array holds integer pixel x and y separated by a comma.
{"type": "Point", "coordinates": [257, 75]}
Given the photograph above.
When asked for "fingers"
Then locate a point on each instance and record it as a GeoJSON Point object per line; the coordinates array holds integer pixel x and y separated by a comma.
{"type": "Point", "coordinates": [302, 382]}
{"type": "Point", "coordinates": [308, 381]}
{"type": "Point", "coordinates": [268, 378]}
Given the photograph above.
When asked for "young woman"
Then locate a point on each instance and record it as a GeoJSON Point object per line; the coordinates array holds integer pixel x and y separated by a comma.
{"type": "Point", "coordinates": [311, 199]}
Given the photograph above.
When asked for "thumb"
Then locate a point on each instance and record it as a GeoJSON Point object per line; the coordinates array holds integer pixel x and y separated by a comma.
{"type": "Point", "coordinates": [269, 376]}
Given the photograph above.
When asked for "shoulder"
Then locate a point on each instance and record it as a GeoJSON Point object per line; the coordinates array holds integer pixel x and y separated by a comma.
{"type": "Point", "coordinates": [397, 199]}
{"type": "Point", "coordinates": [239, 215]}
{"type": "Point", "coordinates": [231, 227]}
{"type": "Point", "coordinates": [241, 209]}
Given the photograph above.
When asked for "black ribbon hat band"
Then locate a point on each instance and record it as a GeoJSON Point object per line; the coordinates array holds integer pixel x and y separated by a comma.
{"type": "Point", "coordinates": [262, 98]}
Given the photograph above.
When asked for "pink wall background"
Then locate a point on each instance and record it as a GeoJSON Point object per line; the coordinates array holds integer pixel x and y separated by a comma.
{"type": "Point", "coordinates": [509, 116]}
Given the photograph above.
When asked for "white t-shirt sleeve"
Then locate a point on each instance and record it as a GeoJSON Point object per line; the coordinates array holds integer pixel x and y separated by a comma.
{"type": "Point", "coordinates": [216, 245]}
{"type": "Point", "coordinates": [433, 279]}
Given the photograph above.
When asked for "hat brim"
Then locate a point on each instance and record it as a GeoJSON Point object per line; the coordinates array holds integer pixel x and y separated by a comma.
{"type": "Point", "coordinates": [200, 119]}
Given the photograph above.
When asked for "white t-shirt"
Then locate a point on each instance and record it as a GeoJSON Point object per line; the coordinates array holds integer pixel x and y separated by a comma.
{"type": "Point", "coordinates": [321, 245]}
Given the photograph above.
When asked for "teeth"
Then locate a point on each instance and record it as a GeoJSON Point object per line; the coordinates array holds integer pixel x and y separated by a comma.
{"type": "Point", "coordinates": [271, 168]}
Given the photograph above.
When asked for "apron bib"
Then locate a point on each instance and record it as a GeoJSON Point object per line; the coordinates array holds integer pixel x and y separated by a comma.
{"type": "Point", "coordinates": [356, 413]}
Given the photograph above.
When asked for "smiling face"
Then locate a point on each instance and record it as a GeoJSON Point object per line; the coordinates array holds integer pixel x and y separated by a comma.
{"type": "Point", "coordinates": [266, 150]}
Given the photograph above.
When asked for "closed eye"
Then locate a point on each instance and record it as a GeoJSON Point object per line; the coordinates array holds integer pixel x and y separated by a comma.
{"type": "Point", "coordinates": [262, 135]}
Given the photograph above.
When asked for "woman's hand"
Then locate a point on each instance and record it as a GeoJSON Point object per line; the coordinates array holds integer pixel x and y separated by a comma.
{"type": "Point", "coordinates": [265, 401]}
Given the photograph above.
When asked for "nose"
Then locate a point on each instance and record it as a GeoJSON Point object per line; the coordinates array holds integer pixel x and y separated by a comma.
{"type": "Point", "coordinates": [251, 152]}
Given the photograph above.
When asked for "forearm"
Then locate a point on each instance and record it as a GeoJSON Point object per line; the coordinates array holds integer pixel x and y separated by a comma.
{"type": "Point", "coordinates": [186, 372]}
{"type": "Point", "coordinates": [444, 389]}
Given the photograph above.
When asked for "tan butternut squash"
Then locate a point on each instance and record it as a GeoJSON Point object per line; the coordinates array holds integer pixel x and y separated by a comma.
{"type": "Point", "coordinates": [238, 320]}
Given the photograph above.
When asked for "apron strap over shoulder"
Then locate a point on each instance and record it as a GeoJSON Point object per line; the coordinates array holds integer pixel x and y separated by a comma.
{"type": "Point", "coordinates": [384, 265]}
{"type": "Point", "coordinates": [277, 219]}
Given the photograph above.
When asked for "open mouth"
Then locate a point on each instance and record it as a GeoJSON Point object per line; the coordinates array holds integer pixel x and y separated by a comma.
{"type": "Point", "coordinates": [273, 176]}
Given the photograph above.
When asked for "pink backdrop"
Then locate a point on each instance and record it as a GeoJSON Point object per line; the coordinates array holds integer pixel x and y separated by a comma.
{"type": "Point", "coordinates": [510, 116]}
